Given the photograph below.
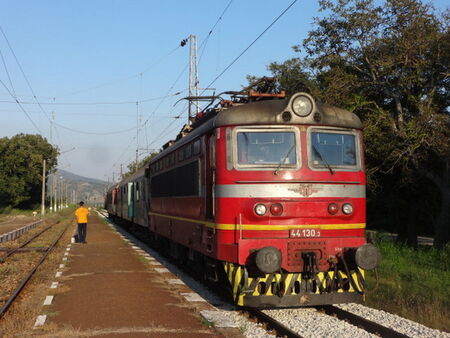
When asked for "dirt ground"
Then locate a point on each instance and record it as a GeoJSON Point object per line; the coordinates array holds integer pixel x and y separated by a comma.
{"type": "Point", "coordinates": [107, 289]}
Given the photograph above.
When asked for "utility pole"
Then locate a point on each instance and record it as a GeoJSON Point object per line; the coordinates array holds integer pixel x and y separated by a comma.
{"type": "Point", "coordinates": [193, 78]}
{"type": "Point", "coordinates": [43, 189]}
{"type": "Point", "coordinates": [137, 133]}
{"type": "Point", "coordinates": [60, 193]}
{"type": "Point", "coordinates": [55, 190]}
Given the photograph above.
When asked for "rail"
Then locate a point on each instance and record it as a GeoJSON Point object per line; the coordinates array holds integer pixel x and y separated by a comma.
{"type": "Point", "coordinates": [361, 322]}
{"type": "Point", "coordinates": [21, 247]}
{"type": "Point", "coordinates": [270, 323]}
{"type": "Point", "coordinates": [27, 278]}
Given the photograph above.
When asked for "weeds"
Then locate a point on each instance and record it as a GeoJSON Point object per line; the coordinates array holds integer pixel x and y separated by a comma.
{"type": "Point", "coordinates": [413, 284]}
{"type": "Point", "coordinates": [207, 323]}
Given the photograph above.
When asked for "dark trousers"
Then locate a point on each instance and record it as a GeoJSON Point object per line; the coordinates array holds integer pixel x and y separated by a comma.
{"type": "Point", "coordinates": [82, 227]}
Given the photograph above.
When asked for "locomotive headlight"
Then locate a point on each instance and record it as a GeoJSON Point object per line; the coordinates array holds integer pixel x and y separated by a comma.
{"type": "Point", "coordinates": [302, 105]}
{"type": "Point", "coordinates": [276, 209]}
{"type": "Point", "coordinates": [333, 208]}
{"type": "Point", "coordinates": [347, 208]}
{"type": "Point", "coordinates": [260, 209]}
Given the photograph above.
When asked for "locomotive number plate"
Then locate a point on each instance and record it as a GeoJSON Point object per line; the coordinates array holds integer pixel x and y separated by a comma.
{"type": "Point", "coordinates": [304, 233]}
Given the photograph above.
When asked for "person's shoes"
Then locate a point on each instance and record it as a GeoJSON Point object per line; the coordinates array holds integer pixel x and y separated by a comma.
{"type": "Point", "coordinates": [84, 242]}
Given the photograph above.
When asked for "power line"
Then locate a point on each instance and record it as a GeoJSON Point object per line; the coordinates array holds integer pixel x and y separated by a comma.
{"type": "Point", "coordinates": [250, 45]}
{"type": "Point", "coordinates": [86, 113]}
{"type": "Point", "coordinates": [23, 73]}
{"type": "Point", "coordinates": [23, 110]}
{"type": "Point", "coordinates": [7, 73]}
{"type": "Point", "coordinates": [93, 133]}
{"type": "Point", "coordinates": [205, 42]}
{"type": "Point", "coordinates": [122, 79]}
{"type": "Point", "coordinates": [100, 103]}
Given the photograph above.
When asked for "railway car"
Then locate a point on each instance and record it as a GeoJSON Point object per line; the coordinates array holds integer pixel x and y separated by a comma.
{"type": "Point", "coordinates": [128, 200]}
{"type": "Point", "coordinates": [267, 193]}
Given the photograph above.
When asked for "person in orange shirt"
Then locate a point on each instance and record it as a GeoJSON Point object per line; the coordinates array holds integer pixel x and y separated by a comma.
{"type": "Point", "coordinates": [81, 215]}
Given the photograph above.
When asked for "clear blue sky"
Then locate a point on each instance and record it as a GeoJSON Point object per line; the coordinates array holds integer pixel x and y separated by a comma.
{"type": "Point", "coordinates": [76, 53]}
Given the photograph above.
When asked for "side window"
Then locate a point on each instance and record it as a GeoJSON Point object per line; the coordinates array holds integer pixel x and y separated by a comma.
{"type": "Point", "coordinates": [137, 191]}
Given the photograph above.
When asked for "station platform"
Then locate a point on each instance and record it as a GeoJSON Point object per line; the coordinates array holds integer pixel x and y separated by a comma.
{"type": "Point", "coordinates": [109, 287]}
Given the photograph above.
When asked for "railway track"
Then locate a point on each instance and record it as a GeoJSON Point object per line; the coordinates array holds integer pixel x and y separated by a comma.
{"type": "Point", "coordinates": [367, 325]}
{"type": "Point", "coordinates": [47, 250]}
{"type": "Point", "coordinates": [270, 323]}
{"type": "Point", "coordinates": [21, 247]}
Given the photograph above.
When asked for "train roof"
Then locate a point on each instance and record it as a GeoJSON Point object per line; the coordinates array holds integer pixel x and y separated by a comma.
{"type": "Point", "coordinates": [132, 177]}
{"type": "Point", "coordinates": [269, 112]}
{"type": "Point", "coordinates": [275, 112]}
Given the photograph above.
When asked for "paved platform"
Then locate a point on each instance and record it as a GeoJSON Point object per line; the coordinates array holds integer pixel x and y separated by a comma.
{"type": "Point", "coordinates": [107, 288]}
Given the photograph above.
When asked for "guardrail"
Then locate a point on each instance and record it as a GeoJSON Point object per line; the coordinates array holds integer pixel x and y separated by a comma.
{"type": "Point", "coordinates": [12, 235]}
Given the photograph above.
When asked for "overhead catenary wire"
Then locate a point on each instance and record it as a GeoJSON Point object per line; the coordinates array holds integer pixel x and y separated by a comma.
{"type": "Point", "coordinates": [205, 41]}
{"type": "Point", "coordinates": [94, 133]}
{"type": "Point", "coordinates": [7, 73]}
{"type": "Point", "coordinates": [165, 56]}
{"type": "Point", "coordinates": [30, 87]}
{"type": "Point", "coordinates": [23, 109]}
{"type": "Point", "coordinates": [87, 113]}
{"type": "Point", "coordinates": [23, 73]}
{"type": "Point", "coordinates": [250, 45]}
{"type": "Point", "coordinates": [99, 102]}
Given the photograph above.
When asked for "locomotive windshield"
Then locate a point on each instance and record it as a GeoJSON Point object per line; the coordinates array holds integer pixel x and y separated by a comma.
{"type": "Point", "coordinates": [333, 149]}
{"type": "Point", "coordinates": [267, 148]}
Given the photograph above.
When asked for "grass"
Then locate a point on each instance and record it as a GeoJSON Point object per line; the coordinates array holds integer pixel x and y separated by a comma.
{"type": "Point", "coordinates": [414, 284]}
{"type": "Point", "coordinates": [206, 322]}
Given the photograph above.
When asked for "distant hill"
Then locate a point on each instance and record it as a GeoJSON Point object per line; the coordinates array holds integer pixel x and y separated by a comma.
{"type": "Point", "coordinates": [78, 188]}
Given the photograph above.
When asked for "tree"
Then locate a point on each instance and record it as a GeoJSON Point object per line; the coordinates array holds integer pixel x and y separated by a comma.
{"type": "Point", "coordinates": [132, 168]}
{"type": "Point", "coordinates": [389, 64]}
{"type": "Point", "coordinates": [21, 159]}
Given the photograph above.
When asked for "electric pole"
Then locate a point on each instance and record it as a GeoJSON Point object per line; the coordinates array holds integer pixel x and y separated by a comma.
{"type": "Point", "coordinates": [193, 78]}
{"type": "Point", "coordinates": [43, 189]}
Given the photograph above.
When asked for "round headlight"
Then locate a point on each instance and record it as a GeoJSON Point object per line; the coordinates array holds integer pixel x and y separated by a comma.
{"type": "Point", "coordinates": [260, 209]}
{"type": "Point", "coordinates": [276, 209]}
{"type": "Point", "coordinates": [347, 208]}
{"type": "Point", "coordinates": [333, 208]}
{"type": "Point", "coordinates": [302, 105]}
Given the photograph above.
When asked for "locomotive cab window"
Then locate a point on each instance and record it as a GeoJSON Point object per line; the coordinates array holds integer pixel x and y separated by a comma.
{"type": "Point", "coordinates": [266, 148]}
{"type": "Point", "coordinates": [333, 149]}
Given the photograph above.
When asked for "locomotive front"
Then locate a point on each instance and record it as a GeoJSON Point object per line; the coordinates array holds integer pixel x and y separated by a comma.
{"type": "Point", "coordinates": [289, 203]}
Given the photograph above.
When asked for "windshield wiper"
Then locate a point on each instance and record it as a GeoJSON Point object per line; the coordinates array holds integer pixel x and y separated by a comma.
{"type": "Point", "coordinates": [323, 159]}
{"type": "Point", "coordinates": [284, 159]}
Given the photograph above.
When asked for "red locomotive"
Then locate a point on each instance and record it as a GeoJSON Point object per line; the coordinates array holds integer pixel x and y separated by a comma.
{"type": "Point", "coordinates": [265, 192]}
